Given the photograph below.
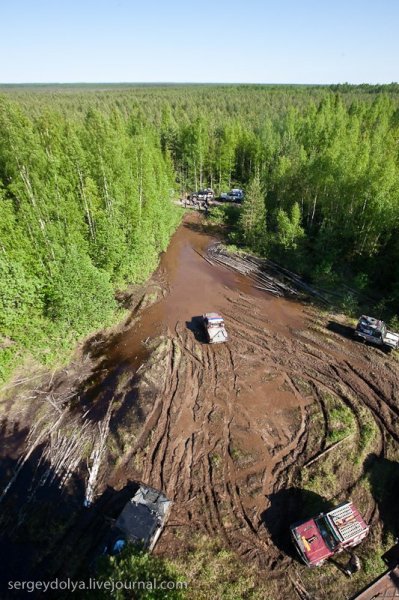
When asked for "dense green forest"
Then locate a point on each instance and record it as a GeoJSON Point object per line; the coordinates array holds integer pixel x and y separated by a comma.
{"type": "Point", "coordinates": [85, 209]}
{"type": "Point", "coordinates": [87, 175]}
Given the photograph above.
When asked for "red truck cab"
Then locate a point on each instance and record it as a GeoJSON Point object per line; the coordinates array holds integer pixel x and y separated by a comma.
{"type": "Point", "coordinates": [327, 534]}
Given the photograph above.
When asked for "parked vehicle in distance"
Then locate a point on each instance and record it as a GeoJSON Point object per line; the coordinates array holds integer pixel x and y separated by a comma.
{"type": "Point", "coordinates": [214, 327]}
{"type": "Point", "coordinates": [205, 194]}
{"type": "Point", "coordinates": [329, 533]}
{"type": "Point", "coordinates": [140, 522]}
{"type": "Point", "coordinates": [374, 331]}
{"type": "Point", "coordinates": [235, 195]}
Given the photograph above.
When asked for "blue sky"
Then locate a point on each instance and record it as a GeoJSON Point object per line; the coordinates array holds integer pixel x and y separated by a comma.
{"type": "Point", "coordinates": [280, 41]}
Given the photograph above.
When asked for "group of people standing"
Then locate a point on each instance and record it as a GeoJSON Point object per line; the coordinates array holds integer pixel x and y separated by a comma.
{"type": "Point", "coordinates": [201, 204]}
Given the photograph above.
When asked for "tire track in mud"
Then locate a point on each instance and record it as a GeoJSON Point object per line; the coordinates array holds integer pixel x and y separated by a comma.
{"type": "Point", "coordinates": [200, 420]}
{"type": "Point", "coordinates": [234, 425]}
{"type": "Point", "coordinates": [226, 430]}
{"type": "Point", "coordinates": [211, 389]}
{"type": "Point", "coordinates": [230, 491]}
{"type": "Point", "coordinates": [213, 484]}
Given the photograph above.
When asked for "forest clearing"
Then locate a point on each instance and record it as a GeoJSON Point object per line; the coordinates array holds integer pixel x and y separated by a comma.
{"type": "Point", "coordinates": [289, 417]}
{"type": "Point", "coordinates": [199, 300]}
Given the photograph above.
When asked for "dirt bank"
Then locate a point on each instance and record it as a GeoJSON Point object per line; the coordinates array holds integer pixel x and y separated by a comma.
{"type": "Point", "coordinates": [228, 431]}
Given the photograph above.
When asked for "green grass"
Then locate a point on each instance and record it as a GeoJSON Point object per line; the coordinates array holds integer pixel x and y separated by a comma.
{"type": "Point", "coordinates": [368, 432]}
{"type": "Point", "coordinates": [320, 480]}
{"type": "Point", "coordinates": [209, 569]}
{"type": "Point", "coordinates": [47, 342]}
{"type": "Point", "coordinates": [216, 460]}
{"type": "Point", "coordinates": [341, 421]}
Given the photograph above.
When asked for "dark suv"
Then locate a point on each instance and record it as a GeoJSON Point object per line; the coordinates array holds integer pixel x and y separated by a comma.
{"type": "Point", "coordinates": [141, 521]}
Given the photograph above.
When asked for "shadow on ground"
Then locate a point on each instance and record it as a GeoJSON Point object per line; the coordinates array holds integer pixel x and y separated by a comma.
{"type": "Point", "coordinates": [287, 507]}
{"type": "Point", "coordinates": [45, 531]}
{"type": "Point", "coordinates": [343, 330]}
{"type": "Point", "coordinates": [383, 475]}
{"type": "Point", "coordinates": [196, 326]}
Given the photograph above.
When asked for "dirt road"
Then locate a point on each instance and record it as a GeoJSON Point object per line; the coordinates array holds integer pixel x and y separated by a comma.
{"type": "Point", "coordinates": [233, 426]}
{"type": "Point", "coordinates": [227, 431]}
{"type": "Point", "coordinates": [226, 416]}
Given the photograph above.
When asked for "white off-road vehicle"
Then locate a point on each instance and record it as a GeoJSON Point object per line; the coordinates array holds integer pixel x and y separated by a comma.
{"type": "Point", "coordinates": [214, 327]}
{"type": "Point", "coordinates": [375, 332]}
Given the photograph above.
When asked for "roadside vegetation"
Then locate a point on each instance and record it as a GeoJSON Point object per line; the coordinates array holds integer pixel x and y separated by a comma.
{"type": "Point", "coordinates": [85, 210]}
{"type": "Point", "coordinates": [209, 570]}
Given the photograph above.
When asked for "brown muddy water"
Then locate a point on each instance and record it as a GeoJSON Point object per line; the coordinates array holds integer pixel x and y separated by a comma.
{"type": "Point", "coordinates": [194, 287]}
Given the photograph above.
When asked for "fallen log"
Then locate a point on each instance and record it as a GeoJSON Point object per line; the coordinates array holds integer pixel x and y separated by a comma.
{"type": "Point", "coordinates": [256, 268]}
{"type": "Point", "coordinates": [250, 267]}
{"type": "Point", "coordinates": [97, 456]}
{"type": "Point", "coordinates": [270, 290]}
{"type": "Point", "coordinates": [204, 257]}
{"type": "Point", "coordinates": [327, 450]}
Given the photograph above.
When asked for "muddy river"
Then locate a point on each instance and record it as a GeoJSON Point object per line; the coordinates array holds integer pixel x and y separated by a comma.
{"type": "Point", "coordinates": [193, 286]}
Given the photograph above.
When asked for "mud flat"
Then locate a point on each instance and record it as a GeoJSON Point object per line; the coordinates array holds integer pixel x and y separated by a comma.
{"type": "Point", "coordinates": [238, 435]}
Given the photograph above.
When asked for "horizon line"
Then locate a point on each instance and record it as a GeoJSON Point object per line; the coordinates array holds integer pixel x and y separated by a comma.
{"type": "Point", "coordinates": [63, 83]}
